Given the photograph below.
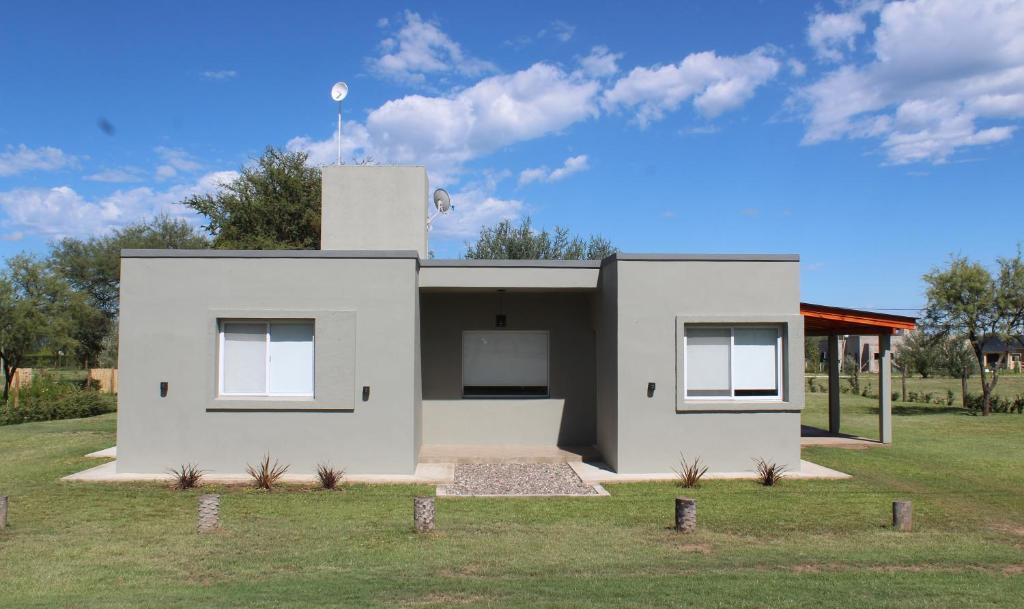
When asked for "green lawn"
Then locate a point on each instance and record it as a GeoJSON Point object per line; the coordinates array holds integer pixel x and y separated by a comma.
{"type": "Point", "coordinates": [802, 544]}
{"type": "Point", "coordinates": [1010, 384]}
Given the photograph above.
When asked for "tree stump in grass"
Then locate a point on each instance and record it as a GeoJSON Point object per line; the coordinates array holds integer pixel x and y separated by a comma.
{"type": "Point", "coordinates": [209, 513]}
{"type": "Point", "coordinates": [902, 516]}
{"type": "Point", "coordinates": [423, 514]}
{"type": "Point", "coordinates": [3, 512]}
{"type": "Point", "coordinates": [686, 515]}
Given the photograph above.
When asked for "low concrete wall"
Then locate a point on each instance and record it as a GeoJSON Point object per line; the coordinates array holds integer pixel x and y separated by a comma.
{"type": "Point", "coordinates": [505, 421]}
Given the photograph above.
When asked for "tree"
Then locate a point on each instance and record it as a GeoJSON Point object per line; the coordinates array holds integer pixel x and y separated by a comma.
{"type": "Point", "coordinates": [921, 352]}
{"type": "Point", "coordinates": [965, 299]}
{"type": "Point", "coordinates": [273, 204]}
{"type": "Point", "coordinates": [504, 241]}
{"type": "Point", "coordinates": [93, 266]}
{"type": "Point", "coordinates": [35, 313]}
{"type": "Point", "coordinates": [958, 362]}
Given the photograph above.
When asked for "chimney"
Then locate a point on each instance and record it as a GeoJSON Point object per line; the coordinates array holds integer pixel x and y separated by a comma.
{"type": "Point", "coordinates": [374, 207]}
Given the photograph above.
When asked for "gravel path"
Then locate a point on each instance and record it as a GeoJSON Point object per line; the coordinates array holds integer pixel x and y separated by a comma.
{"type": "Point", "coordinates": [517, 479]}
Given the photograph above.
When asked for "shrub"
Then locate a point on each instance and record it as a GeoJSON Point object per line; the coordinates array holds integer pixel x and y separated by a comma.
{"type": "Point", "coordinates": [690, 473]}
{"type": "Point", "coordinates": [949, 397]}
{"type": "Point", "coordinates": [329, 477]}
{"type": "Point", "coordinates": [866, 392]}
{"type": "Point", "coordinates": [769, 474]}
{"type": "Point", "coordinates": [47, 399]}
{"type": "Point", "coordinates": [264, 475]}
{"type": "Point", "coordinates": [895, 396]}
{"type": "Point", "coordinates": [911, 396]}
{"type": "Point", "coordinates": [186, 477]}
{"type": "Point", "coordinates": [928, 397]}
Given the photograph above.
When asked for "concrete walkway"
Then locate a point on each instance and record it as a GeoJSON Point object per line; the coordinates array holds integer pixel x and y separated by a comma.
{"type": "Point", "coordinates": [590, 472]}
{"type": "Point", "coordinates": [106, 453]}
{"type": "Point", "coordinates": [426, 473]}
{"type": "Point", "coordinates": [597, 472]}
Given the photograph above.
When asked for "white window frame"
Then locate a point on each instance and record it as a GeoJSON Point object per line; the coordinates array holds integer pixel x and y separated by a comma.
{"type": "Point", "coordinates": [266, 357]}
{"type": "Point", "coordinates": [732, 397]}
{"type": "Point", "coordinates": [547, 371]}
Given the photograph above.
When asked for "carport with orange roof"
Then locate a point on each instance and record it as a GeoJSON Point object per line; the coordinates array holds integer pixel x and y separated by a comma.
{"type": "Point", "coordinates": [833, 322]}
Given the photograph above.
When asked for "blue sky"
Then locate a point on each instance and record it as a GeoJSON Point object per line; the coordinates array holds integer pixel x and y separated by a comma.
{"type": "Point", "coordinates": [872, 138]}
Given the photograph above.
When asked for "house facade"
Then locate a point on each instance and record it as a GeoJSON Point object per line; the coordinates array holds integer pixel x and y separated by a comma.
{"type": "Point", "coordinates": [366, 352]}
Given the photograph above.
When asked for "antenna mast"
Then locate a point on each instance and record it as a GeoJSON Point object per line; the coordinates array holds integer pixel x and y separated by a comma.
{"type": "Point", "coordinates": [338, 92]}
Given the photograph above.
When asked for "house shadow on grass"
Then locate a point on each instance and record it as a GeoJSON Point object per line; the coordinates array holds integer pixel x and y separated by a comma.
{"type": "Point", "coordinates": [910, 410]}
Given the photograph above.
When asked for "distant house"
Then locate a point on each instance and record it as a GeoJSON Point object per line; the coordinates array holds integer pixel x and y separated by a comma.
{"type": "Point", "coordinates": [1004, 354]}
{"type": "Point", "coordinates": [862, 351]}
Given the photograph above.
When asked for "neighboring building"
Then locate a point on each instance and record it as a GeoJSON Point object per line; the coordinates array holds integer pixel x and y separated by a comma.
{"type": "Point", "coordinates": [1004, 354]}
{"type": "Point", "coordinates": [861, 351]}
{"type": "Point", "coordinates": [363, 353]}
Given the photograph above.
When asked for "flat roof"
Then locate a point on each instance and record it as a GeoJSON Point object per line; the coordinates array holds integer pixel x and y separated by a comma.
{"type": "Point", "coordinates": [212, 253]}
{"type": "Point", "coordinates": [526, 264]}
{"type": "Point", "coordinates": [822, 320]}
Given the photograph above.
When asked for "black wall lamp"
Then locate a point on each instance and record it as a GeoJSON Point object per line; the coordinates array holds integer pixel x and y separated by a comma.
{"type": "Point", "coordinates": [650, 390]}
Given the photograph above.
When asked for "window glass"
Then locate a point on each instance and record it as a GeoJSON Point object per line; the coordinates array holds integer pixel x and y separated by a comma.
{"type": "Point", "coordinates": [505, 363]}
{"type": "Point", "coordinates": [755, 361]}
{"type": "Point", "coordinates": [732, 362]}
{"type": "Point", "coordinates": [244, 358]}
{"type": "Point", "coordinates": [266, 358]}
{"type": "Point", "coordinates": [291, 358]}
{"type": "Point", "coordinates": [707, 361]}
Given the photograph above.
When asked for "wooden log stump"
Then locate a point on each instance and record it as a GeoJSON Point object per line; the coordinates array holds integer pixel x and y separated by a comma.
{"type": "Point", "coordinates": [3, 512]}
{"type": "Point", "coordinates": [686, 515]}
{"type": "Point", "coordinates": [423, 514]}
{"type": "Point", "coordinates": [209, 513]}
{"type": "Point", "coordinates": [902, 516]}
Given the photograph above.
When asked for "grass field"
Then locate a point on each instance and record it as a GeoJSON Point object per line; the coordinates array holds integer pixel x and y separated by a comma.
{"type": "Point", "coordinates": [1010, 384]}
{"type": "Point", "coordinates": [802, 544]}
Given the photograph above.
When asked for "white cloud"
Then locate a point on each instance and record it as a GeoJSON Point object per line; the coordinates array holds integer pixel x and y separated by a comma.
{"type": "Point", "coordinates": [21, 158]}
{"type": "Point", "coordinates": [939, 68]}
{"type": "Point", "coordinates": [220, 74]}
{"type": "Point", "coordinates": [561, 30]}
{"type": "Point", "coordinates": [420, 48]}
{"type": "Point", "coordinates": [573, 164]}
{"type": "Point", "coordinates": [600, 63]}
{"type": "Point", "coordinates": [831, 35]}
{"type": "Point", "coordinates": [174, 160]}
{"type": "Point", "coordinates": [444, 132]}
{"type": "Point", "coordinates": [118, 175]}
{"type": "Point", "coordinates": [61, 211]}
{"type": "Point", "coordinates": [715, 83]}
{"type": "Point", "coordinates": [796, 67]}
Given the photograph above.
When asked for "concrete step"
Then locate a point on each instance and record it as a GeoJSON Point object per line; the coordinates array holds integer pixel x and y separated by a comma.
{"type": "Point", "coordinates": [505, 453]}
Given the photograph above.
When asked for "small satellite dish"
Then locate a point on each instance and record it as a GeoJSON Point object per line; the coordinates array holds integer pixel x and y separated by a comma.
{"type": "Point", "coordinates": [442, 201]}
{"type": "Point", "coordinates": [339, 91]}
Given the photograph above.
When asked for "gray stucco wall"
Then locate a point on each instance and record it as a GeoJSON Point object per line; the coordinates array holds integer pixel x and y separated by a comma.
{"type": "Point", "coordinates": [606, 321]}
{"type": "Point", "coordinates": [365, 324]}
{"type": "Point", "coordinates": [655, 300]}
{"type": "Point", "coordinates": [374, 207]}
{"type": "Point", "coordinates": [567, 418]}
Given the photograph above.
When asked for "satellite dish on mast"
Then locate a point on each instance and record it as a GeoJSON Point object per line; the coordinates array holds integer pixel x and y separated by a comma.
{"type": "Point", "coordinates": [443, 203]}
{"type": "Point", "coordinates": [339, 91]}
